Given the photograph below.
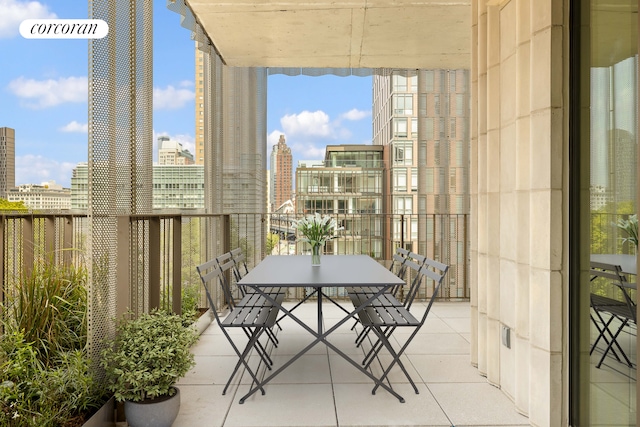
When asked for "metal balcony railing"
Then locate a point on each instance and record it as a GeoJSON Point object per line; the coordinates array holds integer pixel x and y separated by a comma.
{"type": "Point", "coordinates": [157, 254]}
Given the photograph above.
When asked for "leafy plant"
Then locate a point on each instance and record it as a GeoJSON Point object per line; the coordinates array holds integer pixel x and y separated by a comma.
{"type": "Point", "coordinates": [33, 394]}
{"type": "Point", "coordinates": [149, 354]}
{"type": "Point", "coordinates": [317, 229]}
{"type": "Point", "coordinates": [630, 225]}
{"type": "Point", "coordinates": [44, 367]}
{"type": "Point", "coordinates": [50, 308]}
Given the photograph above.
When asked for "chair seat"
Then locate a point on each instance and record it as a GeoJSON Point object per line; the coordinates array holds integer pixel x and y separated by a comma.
{"type": "Point", "coordinates": [380, 316]}
{"type": "Point", "coordinates": [252, 311]}
{"type": "Point", "coordinates": [359, 297]}
{"type": "Point", "coordinates": [618, 308]}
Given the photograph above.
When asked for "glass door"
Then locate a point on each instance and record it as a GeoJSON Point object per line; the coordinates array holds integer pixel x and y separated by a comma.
{"type": "Point", "coordinates": [604, 212]}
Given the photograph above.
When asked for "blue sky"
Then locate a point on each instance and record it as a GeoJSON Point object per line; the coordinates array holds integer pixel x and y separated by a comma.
{"type": "Point", "coordinates": [43, 95]}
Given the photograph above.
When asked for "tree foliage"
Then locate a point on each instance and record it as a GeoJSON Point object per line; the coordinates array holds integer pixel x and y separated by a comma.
{"type": "Point", "coordinates": [6, 205]}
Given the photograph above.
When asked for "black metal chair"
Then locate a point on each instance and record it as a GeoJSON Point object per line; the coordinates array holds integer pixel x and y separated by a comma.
{"type": "Point", "coordinates": [611, 313]}
{"type": "Point", "coordinates": [254, 314]}
{"type": "Point", "coordinates": [385, 319]}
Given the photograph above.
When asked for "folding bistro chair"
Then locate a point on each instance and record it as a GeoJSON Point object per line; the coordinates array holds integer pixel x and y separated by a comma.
{"type": "Point", "coordinates": [620, 313]}
{"type": "Point", "coordinates": [404, 261]}
{"type": "Point", "coordinates": [384, 320]}
{"type": "Point", "coordinates": [227, 263]}
{"type": "Point", "coordinates": [254, 314]}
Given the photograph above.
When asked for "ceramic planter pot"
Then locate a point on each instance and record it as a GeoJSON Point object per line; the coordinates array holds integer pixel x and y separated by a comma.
{"type": "Point", "coordinates": [160, 412]}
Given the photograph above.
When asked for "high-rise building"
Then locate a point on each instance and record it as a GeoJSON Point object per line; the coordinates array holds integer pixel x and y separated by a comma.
{"type": "Point", "coordinates": [422, 116]}
{"type": "Point", "coordinates": [199, 79]}
{"type": "Point", "coordinates": [281, 174]}
{"type": "Point", "coordinates": [7, 160]}
{"type": "Point", "coordinates": [174, 187]}
{"type": "Point", "coordinates": [173, 153]}
{"type": "Point", "coordinates": [80, 186]}
{"type": "Point", "coordinates": [46, 196]}
{"type": "Point", "coordinates": [349, 187]}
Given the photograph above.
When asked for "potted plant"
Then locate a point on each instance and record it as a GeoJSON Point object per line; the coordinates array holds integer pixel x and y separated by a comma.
{"type": "Point", "coordinates": [316, 230]}
{"type": "Point", "coordinates": [630, 225]}
{"type": "Point", "coordinates": [148, 356]}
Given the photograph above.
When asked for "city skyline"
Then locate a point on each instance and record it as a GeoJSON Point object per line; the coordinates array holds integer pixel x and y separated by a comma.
{"type": "Point", "coordinates": [48, 86]}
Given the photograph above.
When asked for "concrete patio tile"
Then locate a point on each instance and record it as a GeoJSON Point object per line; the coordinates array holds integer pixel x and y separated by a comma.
{"type": "Point", "coordinates": [433, 343]}
{"type": "Point", "coordinates": [356, 406]}
{"type": "Point", "coordinates": [342, 372]}
{"type": "Point", "coordinates": [447, 309]}
{"type": "Point", "coordinates": [202, 405]}
{"type": "Point", "coordinates": [308, 369]}
{"type": "Point", "coordinates": [461, 325]}
{"type": "Point", "coordinates": [436, 325]}
{"type": "Point", "coordinates": [476, 404]}
{"type": "Point", "coordinates": [284, 405]}
{"type": "Point", "coordinates": [291, 343]}
{"type": "Point", "coordinates": [211, 370]}
{"type": "Point", "coordinates": [445, 368]}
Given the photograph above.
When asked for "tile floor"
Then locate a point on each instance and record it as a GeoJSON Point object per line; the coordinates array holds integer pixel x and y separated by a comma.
{"type": "Point", "coordinates": [322, 389]}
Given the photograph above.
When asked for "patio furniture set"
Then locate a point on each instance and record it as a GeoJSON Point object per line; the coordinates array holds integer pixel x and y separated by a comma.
{"type": "Point", "coordinates": [381, 303]}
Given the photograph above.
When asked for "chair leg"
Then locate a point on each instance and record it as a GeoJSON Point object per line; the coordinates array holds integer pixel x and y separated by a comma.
{"type": "Point", "coordinates": [255, 335]}
{"type": "Point", "coordinates": [602, 334]}
{"type": "Point", "coordinates": [396, 359]}
{"type": "Point", "coordinates": [614, 340]}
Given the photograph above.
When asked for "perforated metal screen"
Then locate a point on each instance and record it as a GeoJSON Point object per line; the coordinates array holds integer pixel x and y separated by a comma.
{"type": "Point", "coordinates": [120, 144]}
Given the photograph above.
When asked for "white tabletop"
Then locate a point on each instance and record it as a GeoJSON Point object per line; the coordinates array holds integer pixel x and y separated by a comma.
{"type": "Point", "coordinates": [334, 270]}
{"type": "Point", "coordinates": [626, 262]}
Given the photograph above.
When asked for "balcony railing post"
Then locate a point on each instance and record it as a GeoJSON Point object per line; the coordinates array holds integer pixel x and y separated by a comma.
{"type": "Point", "coordinates": [177, 265]}
{"type": "Point", "coordinates": [3, 274]}
{"type": "Point", "coordinates": [67, 240]}
{"type": "Point", "coordinates": [50, 236]}
{"type": "Point", "coordinates": [123, 265]}
{"type": "Point", "coordinates": [28, 245]}
{"type": "Point", "coordinates": [154, 263]}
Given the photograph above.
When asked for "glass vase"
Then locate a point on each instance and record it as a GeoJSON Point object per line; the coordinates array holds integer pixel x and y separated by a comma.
{"type": "Point", "coordinates": [315, 255]}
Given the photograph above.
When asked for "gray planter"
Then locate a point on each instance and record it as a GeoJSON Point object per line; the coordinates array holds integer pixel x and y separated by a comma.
{"type": "Point", "coordinates": [160, 412]}
{"type": "Point", "coordinates": [104, 417]}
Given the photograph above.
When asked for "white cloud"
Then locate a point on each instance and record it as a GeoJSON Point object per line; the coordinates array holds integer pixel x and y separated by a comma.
{"type": "Point", "coordinates": [35, 169]}
{"type": "Point", "coordinates": [14, 12]}
{"type": "Point", "coordinates": [355, 114]}
{"type": "Point", "coordinates": [49, 93]}
{"type": "Point", "coordinates": [307, 123]}
{"type": "Point", "coordinates": [75, 127]}
{"type": "Point", "coordinates": [170, 98]}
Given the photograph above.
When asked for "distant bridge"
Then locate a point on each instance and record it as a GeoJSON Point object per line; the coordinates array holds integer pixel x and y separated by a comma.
{"type": "Point", "coordinates": [282, 225]}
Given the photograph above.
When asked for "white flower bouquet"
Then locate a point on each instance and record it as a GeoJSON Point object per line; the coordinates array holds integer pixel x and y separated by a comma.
{"type": "Point", "coordinates": [317, 229]}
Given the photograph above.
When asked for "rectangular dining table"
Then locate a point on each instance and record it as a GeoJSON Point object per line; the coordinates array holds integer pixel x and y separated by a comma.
{"type": "Point", "coordinates": [334, 271]}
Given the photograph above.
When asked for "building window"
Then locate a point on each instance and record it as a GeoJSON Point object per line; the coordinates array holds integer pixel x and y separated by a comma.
{"type": "Point", "coordinates": [400, 127]}
{"type": "Point", "coordinates": [403, 205]}
{"type": "Point", "coordinates": [403, 153]}
{"type": "Point", "coordinates": [399, 83]}
{"type": "Point", "coordinates": [403, 104]}
{"type": "Point", "coordinates": [400, 180]}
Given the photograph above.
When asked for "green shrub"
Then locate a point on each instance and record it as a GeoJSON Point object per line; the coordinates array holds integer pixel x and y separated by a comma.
{"type": "Point", "coordinates": [33, 394]}
{"type": "Point", "coordinates": [50, 308]}
{"type": "Point", "coordinates": [149, 354]}
{"type": "Point", "coordinates": [44, 367]}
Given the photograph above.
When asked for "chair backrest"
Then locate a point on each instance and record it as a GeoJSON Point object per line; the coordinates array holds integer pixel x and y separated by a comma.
{"type": "Point", "coordinates": [226, 264]}
{"type": "Point", "coordinates": [240, 263]}
{"type": "Point", "coordinates": [613, 273]}
{"type": "Point", "coordinates": [414, 267]}
{"type": "Point", "coordinates": [211, 276]}
{"type": "Point", "coordinates": [433, 271]}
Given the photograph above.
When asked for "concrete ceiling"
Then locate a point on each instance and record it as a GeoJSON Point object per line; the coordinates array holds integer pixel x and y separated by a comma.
{"type": "Point", "coordinates": [339, 33]}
